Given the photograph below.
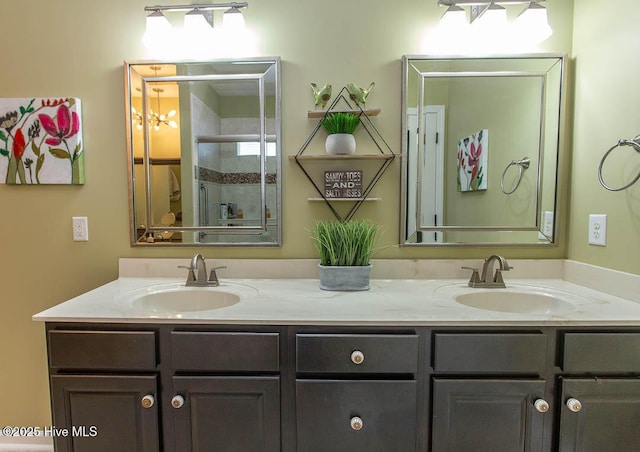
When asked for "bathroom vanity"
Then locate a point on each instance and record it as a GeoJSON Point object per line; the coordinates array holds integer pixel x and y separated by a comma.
{"type": "Point", "coordinates": [403, 367]}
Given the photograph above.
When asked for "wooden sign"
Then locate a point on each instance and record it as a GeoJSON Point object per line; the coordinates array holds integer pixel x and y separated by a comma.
{"type": "Point", "coordinates": [343, 184]}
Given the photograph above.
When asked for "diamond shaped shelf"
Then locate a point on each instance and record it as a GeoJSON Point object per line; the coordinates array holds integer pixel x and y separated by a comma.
{"type": "Point", "coordinates": [384, 154]}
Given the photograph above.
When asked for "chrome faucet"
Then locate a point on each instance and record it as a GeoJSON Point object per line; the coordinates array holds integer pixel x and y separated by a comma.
{"type": "Point", "coordinates": [495, 279]}
{"type": "Point", "coordinates": [197, 275]}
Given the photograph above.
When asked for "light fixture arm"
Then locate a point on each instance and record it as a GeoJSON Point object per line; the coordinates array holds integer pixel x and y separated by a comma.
{"type": "Point", "coordinates": [483, 2]}
{"type": "Point", "coordinates": [203, 7]}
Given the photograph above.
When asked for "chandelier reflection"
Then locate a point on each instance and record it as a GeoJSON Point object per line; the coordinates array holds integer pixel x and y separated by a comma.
{"type": "Point", "coordinates": [155, 118]}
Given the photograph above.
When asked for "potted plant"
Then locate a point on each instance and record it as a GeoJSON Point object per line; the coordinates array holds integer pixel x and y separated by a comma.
{"type": "Point", "coordinates": [340, 127]}
{"type": "Point", "coordinates": [345, 248]}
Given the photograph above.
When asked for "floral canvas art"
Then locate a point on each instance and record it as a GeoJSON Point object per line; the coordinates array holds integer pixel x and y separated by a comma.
{"type": "Point", "coordinates": [41, 141]}
{"type": "Point", "coordinates": [472, 161]}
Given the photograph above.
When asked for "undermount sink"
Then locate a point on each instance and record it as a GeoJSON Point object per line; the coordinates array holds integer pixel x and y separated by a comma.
{"type": "Point", "coordinates": [516, 301]}
{"type": "Point", "coordinates": [189, 300]}
{"type": "Point", "coordinates": [177, 298]}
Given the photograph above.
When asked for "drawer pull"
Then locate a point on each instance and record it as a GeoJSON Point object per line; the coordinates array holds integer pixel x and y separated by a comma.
{"type": "Point", "coordinates": [177, 401]}
{"type": "Point", "coordinates": [574, 405]}
{"type": "Point", "coordinates": [357, 357]}
{"type": "Point", "coordinates": [147, 401]}
{"type": "Point", "coordinates": [541, 405]}
{"type": "Point", "coordinates": [356, 423]}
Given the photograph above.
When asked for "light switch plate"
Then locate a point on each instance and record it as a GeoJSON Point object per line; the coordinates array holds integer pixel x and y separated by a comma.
{"type": "Point", "coordinates": [598, 230]}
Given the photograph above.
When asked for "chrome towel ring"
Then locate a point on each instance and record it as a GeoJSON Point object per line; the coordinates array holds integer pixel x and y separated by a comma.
{"type": "Point", "coordinates": [522, 165]}
{"type": "Point", "coordinates": [635, 144]}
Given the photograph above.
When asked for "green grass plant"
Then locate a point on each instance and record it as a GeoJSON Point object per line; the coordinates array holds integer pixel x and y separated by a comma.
{"type": "Point", "coordinates": [345, 243]}
{"type": "Point", "coordinates": [340, 122]}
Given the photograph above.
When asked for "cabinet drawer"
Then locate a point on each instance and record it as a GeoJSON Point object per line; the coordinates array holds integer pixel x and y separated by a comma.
{"type": "Point", "coordinates": [493, 352]}
{"type": "Point", "coordinates": [326, 410]}
{"type": "Point", "coordinates": [131, 350]}
{"type": "Point", "coordinates": [228, 351]}
{"type": "Point", "coordinates": [601, 352]}
{"type": "Point", "coordinates": [334, 353]}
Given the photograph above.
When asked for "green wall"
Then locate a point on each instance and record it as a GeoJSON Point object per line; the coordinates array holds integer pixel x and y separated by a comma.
{"type": "Point", "coordinates": [607, 108]}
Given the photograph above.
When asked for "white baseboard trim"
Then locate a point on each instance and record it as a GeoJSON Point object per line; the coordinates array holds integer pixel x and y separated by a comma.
{"type": "Point", "coordinates": [25, 444]}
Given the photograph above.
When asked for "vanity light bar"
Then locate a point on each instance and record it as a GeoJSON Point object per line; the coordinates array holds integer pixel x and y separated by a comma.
{"type": "Point", "coordinates": [202, 7]}
{"type": "Point", "coordinates": [479, 7]}
{"type": "Point", "coordinates": [198, 19]}
{"type": "Point", "coordinates": [484, 2]}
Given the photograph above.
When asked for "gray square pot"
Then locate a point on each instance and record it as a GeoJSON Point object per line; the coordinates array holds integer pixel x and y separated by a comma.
{"type": "Point", "coordinates": [344, 278]}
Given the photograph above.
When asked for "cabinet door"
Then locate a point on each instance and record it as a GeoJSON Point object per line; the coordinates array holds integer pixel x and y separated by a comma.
{"type": "Point", "coordinates": [356, 416]}
{"type": "Point", "coordinates": [606, 419]}
{"type": "Point", "coordinates": [226, 414]}
{"type": "Point", "coordinates": [487, 415]}
{"type": "Point", "coordinates": [105, 413]}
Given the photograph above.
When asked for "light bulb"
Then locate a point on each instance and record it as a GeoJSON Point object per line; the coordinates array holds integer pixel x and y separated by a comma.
{"type": "Point", "coordinates": [494, 16]}
{"type": "Point", "coordinates": [158, 28]}
{"type": "Point", "coordinates": [454, 17]}
{"type": "Point", "coordinates": [196, 23]}
{"type": "Point", "coordinates": [532, 23]}
{"type": "Point", "coordinates": [233, 19]}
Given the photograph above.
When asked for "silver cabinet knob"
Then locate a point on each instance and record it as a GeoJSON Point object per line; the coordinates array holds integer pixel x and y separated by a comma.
{"type": "Point", "coordinates": [574, 405]}
{"type": "Point", "coordinates": [356, 423]}
{"type": "Point", "coordinates": [147, 401]}
{"type": "Point", "coordinates": [357, 357]}
{"type": "Point", "coordinates": [541, 405]}
{"type": "Point", "coordinates": [177, 401]}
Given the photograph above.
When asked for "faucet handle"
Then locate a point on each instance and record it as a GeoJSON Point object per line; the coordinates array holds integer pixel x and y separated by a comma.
{"type": "Point", "coordinates": [475, 277]}
{"type": "Point", "coordinates": [191, 276]}
{"type": "Point", "coordinates": [213, 277]}
{"type": "Point", "coordinates": [498, 276]}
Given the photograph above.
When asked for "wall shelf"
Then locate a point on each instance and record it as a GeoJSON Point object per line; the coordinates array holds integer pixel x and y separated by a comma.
{"type": "Point", "coordinates": [384, 156]}
{"type": "Point", "coordinates": [344, 199]}
{"type": "Point", "coordinates": [316, 114]}
{"type": "Point", "coordinates": [343, 157]}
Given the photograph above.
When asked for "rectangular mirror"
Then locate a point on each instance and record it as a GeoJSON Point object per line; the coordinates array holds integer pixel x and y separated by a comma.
{"type": "Point", "coordinates": [204, 152]}
{"type": "Point", "coordinates": [480, 149]}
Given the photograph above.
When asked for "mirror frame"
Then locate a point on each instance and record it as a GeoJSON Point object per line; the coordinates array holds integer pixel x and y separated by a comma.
{"type": "Point", "coordinates": [262, 137]}
{"type": "Point", "coordinates": [552, 241]}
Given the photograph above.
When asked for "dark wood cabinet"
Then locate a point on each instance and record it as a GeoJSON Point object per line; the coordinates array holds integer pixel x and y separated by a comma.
{"type": "Point", "coordinates": [104, 389]}
{"type": "Point", "coordinates": [182, 388]}
{"type": "Point", "coordinates": [356, 392]}
{"type": "Point", "coordinates": [487, 415]}
{"type": "Point", "coordinates": [226, 414]}
{"type": "Point", "coordinates": [164, 388]}
{"type": "Point", "coordinates": [104, 413]}
{"type": "Point", "coordinates": [600, 397]}
{"type": "Point", "coordinates": [600, 415]}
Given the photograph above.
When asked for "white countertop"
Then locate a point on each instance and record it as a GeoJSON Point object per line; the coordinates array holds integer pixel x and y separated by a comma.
{"type": "Point", "coordinates": [408, 302]}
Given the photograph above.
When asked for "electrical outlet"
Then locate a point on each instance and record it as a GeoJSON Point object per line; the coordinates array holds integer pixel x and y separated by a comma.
{"type": "Point", "coordinates": [80, 229]}
{"type": "Point", "coordinates": [598, 230]}
{"type": "Point", "coordinates": [546, 228]}
{"type": "Point", "coordinates": [547, 223]}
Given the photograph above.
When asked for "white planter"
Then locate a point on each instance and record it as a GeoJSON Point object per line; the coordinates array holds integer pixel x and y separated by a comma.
{"type": "Point", "coordinates": [344, 278]}
{"type": "Point", "coordinates": [340, 144]}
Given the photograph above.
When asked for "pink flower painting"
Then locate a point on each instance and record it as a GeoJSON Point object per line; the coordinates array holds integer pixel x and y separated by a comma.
{"type": "Point", "coordinates": [472, 161]}
{"type": "Point", "coordinates": [41, 141]}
